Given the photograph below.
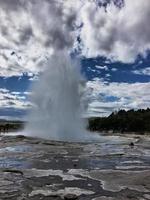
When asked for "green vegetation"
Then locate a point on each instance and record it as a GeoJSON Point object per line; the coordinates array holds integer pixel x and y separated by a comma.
{"type": "Point", "coordinates": [136, 121]}
{"type": "Point", "coordinates": [123, 121]}
{"type": "Point", "coordinates": [10, 126]}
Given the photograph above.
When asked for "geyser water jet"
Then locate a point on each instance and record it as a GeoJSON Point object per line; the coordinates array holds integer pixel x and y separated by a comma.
{"type": "Point", "coordinates": [56, 99]}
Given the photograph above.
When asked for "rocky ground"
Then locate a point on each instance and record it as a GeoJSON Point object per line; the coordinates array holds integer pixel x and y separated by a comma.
{"type": "Point", "coordinates": [113, 168]}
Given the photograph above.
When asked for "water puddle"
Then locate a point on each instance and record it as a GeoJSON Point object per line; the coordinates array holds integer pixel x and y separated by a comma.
{"type": "Point", "coordinates": [16, 149]}
{"type": "Point", "coordinates": [13, 163]}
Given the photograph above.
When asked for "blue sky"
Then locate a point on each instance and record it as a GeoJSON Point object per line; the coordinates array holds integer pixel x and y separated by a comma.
{"type": "Point", "coordinates": [115, 59]}
{"type": "Point", "coordinates": [95, 70]}
{"type": "Point", "coordinates": [116, 71]}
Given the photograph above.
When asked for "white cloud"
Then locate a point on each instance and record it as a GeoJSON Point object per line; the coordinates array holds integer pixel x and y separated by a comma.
{"type": "Point", "coordinates": [145, 71]}
{"type": "Point", "coordinates": [114, 69]}
{"type": "Point", "coordinates": [127, 96]}
{"type": "Point", "coordinates": [107, 75]}
{"type": "Point", "coordinates": [14, 100]}
{"type": "Point", "coordinates": [102, 67]}
{"type": "Point", "coordinates": [119, 34]}
{"type": "Point", "coordinates": [31, 30]}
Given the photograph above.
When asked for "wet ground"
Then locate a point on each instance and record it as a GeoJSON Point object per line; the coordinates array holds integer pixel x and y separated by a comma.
{"type": "Point", "coordinates": [109, 169]}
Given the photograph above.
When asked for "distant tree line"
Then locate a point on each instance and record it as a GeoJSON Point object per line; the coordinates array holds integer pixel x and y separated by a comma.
{"type": "Point", "coordinates": [123, 121]}
{"type": "Point", "coordinates": [8, 126]}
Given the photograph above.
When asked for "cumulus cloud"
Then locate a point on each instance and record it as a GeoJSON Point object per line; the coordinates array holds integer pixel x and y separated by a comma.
{"type": "Point", "coordinates": [145, 71]}
{"type": "Point", "coordinates": [108, 97]}
{"type": "Point", "coordinates": [15, 100]}
{"type": "Point", "coordinates": [120, 34]}
{"type": "Point", "coordinates": [31, 30]}
{"type": "Point", "coordinates": [114, 69]}
{"type": "Point", "coordinates": [102, 67]}
{"type": "Point", "coordinates": [20, 52]}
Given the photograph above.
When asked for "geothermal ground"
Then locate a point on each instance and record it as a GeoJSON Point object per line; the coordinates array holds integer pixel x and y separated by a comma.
{"type": "Point", "coordinates": [109, 169]}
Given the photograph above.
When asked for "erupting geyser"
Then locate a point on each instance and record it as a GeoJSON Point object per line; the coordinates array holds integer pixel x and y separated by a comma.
{"type": "Point", "coordinates": [56, 99]}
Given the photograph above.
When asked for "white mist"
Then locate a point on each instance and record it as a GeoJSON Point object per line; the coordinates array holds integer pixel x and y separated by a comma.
{"type": "Point", "coordinates": [56, 113]}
